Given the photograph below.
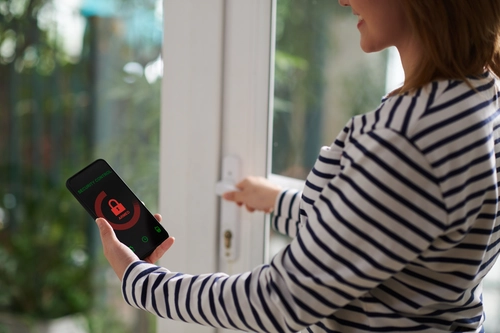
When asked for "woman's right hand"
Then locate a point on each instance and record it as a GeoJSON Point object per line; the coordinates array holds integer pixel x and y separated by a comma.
{"type": "Point", "coordinates": [255, 193]}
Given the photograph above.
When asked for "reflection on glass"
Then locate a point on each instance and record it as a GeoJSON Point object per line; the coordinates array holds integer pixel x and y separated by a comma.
{"type": "Point", "coordinates": [79, 79]}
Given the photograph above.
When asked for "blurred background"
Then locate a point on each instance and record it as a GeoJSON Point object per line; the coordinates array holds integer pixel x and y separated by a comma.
{"type": "Point", "coordinates": [80, 79]}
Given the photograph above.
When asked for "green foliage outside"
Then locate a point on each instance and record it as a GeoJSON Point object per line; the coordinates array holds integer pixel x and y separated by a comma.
{"type": "Point", "coordinates": [53, 104]}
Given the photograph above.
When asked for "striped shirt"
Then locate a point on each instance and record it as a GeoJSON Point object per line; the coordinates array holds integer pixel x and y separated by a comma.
{"type": "Point", "coordinates": [394, 230]}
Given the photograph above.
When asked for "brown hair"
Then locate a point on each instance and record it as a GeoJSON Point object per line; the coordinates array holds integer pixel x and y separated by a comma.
{"type": "Point", "coordinates": [460, 38]}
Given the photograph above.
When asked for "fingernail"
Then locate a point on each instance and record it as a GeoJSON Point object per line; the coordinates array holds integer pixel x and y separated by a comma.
{"type": "Point", "coordinates": [99, 222]}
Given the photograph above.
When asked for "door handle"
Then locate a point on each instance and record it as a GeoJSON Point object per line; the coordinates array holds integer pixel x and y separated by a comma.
{"type": "Point", "coordinates": [230, 214]}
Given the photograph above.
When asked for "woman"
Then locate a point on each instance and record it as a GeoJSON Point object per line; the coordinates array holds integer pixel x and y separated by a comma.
{"type": "Point", "coordinates": [396, 226]}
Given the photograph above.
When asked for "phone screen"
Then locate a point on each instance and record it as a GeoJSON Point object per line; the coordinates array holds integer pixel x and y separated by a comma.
{"type": "Point", "coordinates": [103, 193]}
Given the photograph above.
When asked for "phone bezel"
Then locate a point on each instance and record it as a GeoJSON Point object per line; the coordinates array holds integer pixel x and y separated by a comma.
{"type": "Point", "coordinates": [143, 254]}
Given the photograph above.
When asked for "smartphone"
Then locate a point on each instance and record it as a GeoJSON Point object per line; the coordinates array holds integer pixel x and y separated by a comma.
{"type": "Point", "coordinates": [103, 193]}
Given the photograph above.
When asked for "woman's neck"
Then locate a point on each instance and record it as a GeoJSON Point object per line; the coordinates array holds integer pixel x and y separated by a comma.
{"type": "Point", "coordinates": [411, 54]}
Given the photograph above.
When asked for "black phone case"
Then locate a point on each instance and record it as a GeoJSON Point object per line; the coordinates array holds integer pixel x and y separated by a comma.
{"type": "Point", "coordinates": [145, 221]}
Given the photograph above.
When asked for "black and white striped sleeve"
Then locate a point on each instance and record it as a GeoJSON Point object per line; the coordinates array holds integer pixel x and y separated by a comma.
{"type": "Point", "coordinates": [286, 215]}
{"type": "Point", "coordinates": [380, 212]}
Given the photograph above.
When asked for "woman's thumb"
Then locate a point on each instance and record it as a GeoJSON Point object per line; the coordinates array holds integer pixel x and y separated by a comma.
{"type": "Point", "coordinates": [104, 228]}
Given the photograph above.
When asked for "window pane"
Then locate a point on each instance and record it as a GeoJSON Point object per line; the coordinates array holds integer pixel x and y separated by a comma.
{"type": "Point", "coordinates": [79, 80]}
{"type": "Point", "coordinates": [322, 78]}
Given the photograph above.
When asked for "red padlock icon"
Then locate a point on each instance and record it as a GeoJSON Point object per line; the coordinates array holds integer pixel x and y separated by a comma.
{"type": "Point", "coordinates": [116, 207]}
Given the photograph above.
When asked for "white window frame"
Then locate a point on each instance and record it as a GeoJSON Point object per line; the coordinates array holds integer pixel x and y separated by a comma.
{"type": "Point", "coordinates": [215, 102]}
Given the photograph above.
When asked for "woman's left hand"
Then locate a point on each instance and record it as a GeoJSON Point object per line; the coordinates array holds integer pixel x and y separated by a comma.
{"type": "Point", "coordinates": [119, 255]}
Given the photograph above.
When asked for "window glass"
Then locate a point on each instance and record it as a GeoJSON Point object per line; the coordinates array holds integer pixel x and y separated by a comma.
{"type": "Point", "coordinates": [79, 80]}
{"type": "Point", "coordinates": [321, 80]}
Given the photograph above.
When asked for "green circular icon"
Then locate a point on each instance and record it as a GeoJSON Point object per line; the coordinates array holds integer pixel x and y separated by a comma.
{"type": "Point", "coordinates": [144, 239]}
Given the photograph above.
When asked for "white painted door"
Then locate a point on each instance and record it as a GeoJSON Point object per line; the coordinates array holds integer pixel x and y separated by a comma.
{"type": "Point", "coordinates": [215, 102]}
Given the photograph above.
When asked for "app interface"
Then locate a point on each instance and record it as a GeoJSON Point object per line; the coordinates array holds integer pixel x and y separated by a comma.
{"type": "Point", "coordinates": [104, 194]}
